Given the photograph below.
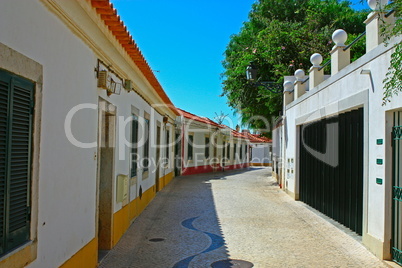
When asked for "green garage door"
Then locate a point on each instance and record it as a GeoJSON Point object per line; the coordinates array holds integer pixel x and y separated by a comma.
{"type": "Point", "coordinates": [331, 167]}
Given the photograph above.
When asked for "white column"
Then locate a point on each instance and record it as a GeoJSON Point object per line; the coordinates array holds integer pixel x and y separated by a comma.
{"type": "Point", "coordinates": [288, 93]}
{"type": "Point", "coordinates": [375, 22]}
{"type": "Point", "coordinates": [300, 86]}
{"type": "Point", "coordinates": [340, 58]}
{"type": "Point", "coordinates": [316, 76]}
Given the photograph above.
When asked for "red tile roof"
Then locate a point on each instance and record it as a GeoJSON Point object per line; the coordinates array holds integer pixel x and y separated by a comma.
{"type": "Point", "coordinates": [254, 138]}
{"type": "Point", "coordinates": [109, 16]}
{"type": "Point", "coordinates": [194, 117]}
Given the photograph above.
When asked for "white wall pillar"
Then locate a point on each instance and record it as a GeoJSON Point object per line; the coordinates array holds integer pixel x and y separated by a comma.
{"type": "Point", "coordinates": [316, 75]}
{"type": "Point", "coordinates": [300, 88]}
{"type": "Point", "coordinates": [300, 85]}
{"type": "Point", "coordinates": [375, 22]}
{"type": "Point", "coordinates": [340, 58]}
{"type": "Point", "coordinates": [288, 93]}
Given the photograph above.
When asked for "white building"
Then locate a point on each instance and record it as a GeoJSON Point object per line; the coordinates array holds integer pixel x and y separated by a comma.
{"type": "Point", "coordinates": [68, 184]}
{"type": "Point", "coordinates": [260, 149]}
{"type": "Point", "coordinates": [209, 146]}
{"type": "Point", "coordinates": [341, 145]}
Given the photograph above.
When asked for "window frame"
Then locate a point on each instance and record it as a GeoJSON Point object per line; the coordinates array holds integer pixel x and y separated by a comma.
{"type": "Point", "coordinates": [190, 143]}
{"type": "Point", "coordinates": [241, 151]}
{"type": "Point", "coordinates": [12, 61]}
{"type": "Point", "coordinates": [146, 150]}
{"type": "Point", "coordinates": [206, 149]}
{"type": "Point", "coordinates": [234, 151]}
{"type": "Point", "coordinates": [134, 145]}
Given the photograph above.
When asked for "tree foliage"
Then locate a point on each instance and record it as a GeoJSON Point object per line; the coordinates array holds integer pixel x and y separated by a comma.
{"type": "Point", "coordinates": [280, 37]}
{"type": "Point", "coordinates": [393, 80]}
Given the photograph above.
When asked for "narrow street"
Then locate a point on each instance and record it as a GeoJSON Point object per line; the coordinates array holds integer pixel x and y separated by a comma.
{"type": "Point", "coordinates": [197, 221]}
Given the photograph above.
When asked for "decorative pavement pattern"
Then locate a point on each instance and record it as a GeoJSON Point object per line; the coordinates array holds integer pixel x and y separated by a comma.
{"type": "Point", "coordinates": [240, 220]}
{"type": "Point", "coordinates": [216, 242]}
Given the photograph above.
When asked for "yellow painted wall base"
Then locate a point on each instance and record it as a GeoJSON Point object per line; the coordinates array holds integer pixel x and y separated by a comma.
{"type": "Point", "coordinates": [21, 258]}
{"type": "Point", "coordinates": [163, 181]}
{"type": "Point", "coordinates": [85, 257]}
{"type": "Point", "coordinates": [124, 217]}
{"type": "Point", "coordinates": [260, 164]}
{"type": "Point", "coordinates": [379, 248]}
{"type": "Point", "coordinates": [292, 194]}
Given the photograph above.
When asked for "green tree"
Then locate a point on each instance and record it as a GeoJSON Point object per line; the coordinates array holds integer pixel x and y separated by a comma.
{"type": "Point", "coordinates": [393, 80]}
{"type": "Point", "coordinates": [280, 37]}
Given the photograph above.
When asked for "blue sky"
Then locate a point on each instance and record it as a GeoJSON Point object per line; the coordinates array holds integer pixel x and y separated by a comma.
{"type": "Point", "coordinates": [183, 42]}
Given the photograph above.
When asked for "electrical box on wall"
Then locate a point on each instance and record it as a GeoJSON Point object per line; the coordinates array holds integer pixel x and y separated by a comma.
{"type": "Point", "coordinates": [122, 188]}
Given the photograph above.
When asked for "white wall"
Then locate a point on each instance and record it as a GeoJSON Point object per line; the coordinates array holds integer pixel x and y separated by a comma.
{"type": "Point", "coordinates": [344, 91]}
{"type": "Point", "coordinates": [67, 176]}
{"type": "Point", "coordinates": [260, 153]}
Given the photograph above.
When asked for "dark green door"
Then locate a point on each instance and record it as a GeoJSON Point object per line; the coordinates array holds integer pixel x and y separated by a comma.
{"type": "Point", "coordinates": [397, 189]}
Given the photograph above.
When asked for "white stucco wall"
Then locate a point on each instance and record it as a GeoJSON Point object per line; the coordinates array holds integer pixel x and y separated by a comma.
{"type": "Point", "coordinates": [67, 176]}
{"type": "Point", "coordinates": [260, 153]}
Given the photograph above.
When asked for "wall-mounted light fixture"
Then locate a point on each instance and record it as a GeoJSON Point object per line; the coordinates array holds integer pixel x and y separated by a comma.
{"type": "Point", "coordinates": [105, 80]}
{"type": "Point", "coordinates": [128, 84]}
{"type": "Point", "coordinates": [252, 77]}
{"type": "Point", "coordinates": [114, 88]}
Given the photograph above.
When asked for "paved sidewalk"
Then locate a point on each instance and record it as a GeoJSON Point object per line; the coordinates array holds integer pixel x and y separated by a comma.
{"type": "Point", "coordinates": [197, 221]}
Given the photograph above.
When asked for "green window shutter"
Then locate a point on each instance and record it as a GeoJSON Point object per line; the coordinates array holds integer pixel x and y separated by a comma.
{"type": "Point", "coordinates": [146, 145]}
{"type": "Point", "coordinates": [234, 151]}
{"type": "Point", "coordinates": [134, 146]}
{"type": "Point", "coordinates": [224, 148]}
{"type": "Point", "coordinates": [206, 148]}
{"type": "Point", "coordinates": [190, 148]}
{"type": "Point", "coordinates": [167, 144]}
{"type": "Point", "coordinates": [18, 133]}
{"type": "Point", "coordinates": [4, 89]}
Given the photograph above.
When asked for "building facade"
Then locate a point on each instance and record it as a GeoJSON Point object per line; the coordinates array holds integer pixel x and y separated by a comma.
{"type": "Point", "coordinates": [86, 132]}
{"type": "Point", "coordinates": [208, 146]}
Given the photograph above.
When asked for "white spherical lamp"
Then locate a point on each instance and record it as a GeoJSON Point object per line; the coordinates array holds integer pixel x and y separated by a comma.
{"type": "Point", "coordinates": [339, 37]}
{"type": "Point", "coordinates": [288, 86]}
{"type": "Point", "coordinates": [299, 74]}
{"type": "Point", "coordinates": [377, 4]}
{"type": "Point", "coordinates": [316, 59]}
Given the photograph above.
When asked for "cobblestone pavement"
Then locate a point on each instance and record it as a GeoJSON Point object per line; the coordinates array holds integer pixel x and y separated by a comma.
{"type": "Point", "coordinates": [197, 221]}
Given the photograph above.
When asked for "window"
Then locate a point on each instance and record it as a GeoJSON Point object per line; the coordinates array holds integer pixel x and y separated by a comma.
{"type": "Point", "coordinates": [206, 147]}
{"type": "Point", "coordinates": [241, 151]}
{"type": "Point", "coordinates": [228, 151]}
{"type": "Point", "coordinates": [167, 144]}
{"type": "Point", "coordinates": [190, 147]}
{"type": "Point", "coordinates": [16, 123]}
{"type": "Point", "coordinates": [146, 145]}
{"type": "Point", "coordinates": [134, 145]}
{"type": "Point", "coordinates": [234, 151]}
{"type": "Point", "coordinates": [224, 149]}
